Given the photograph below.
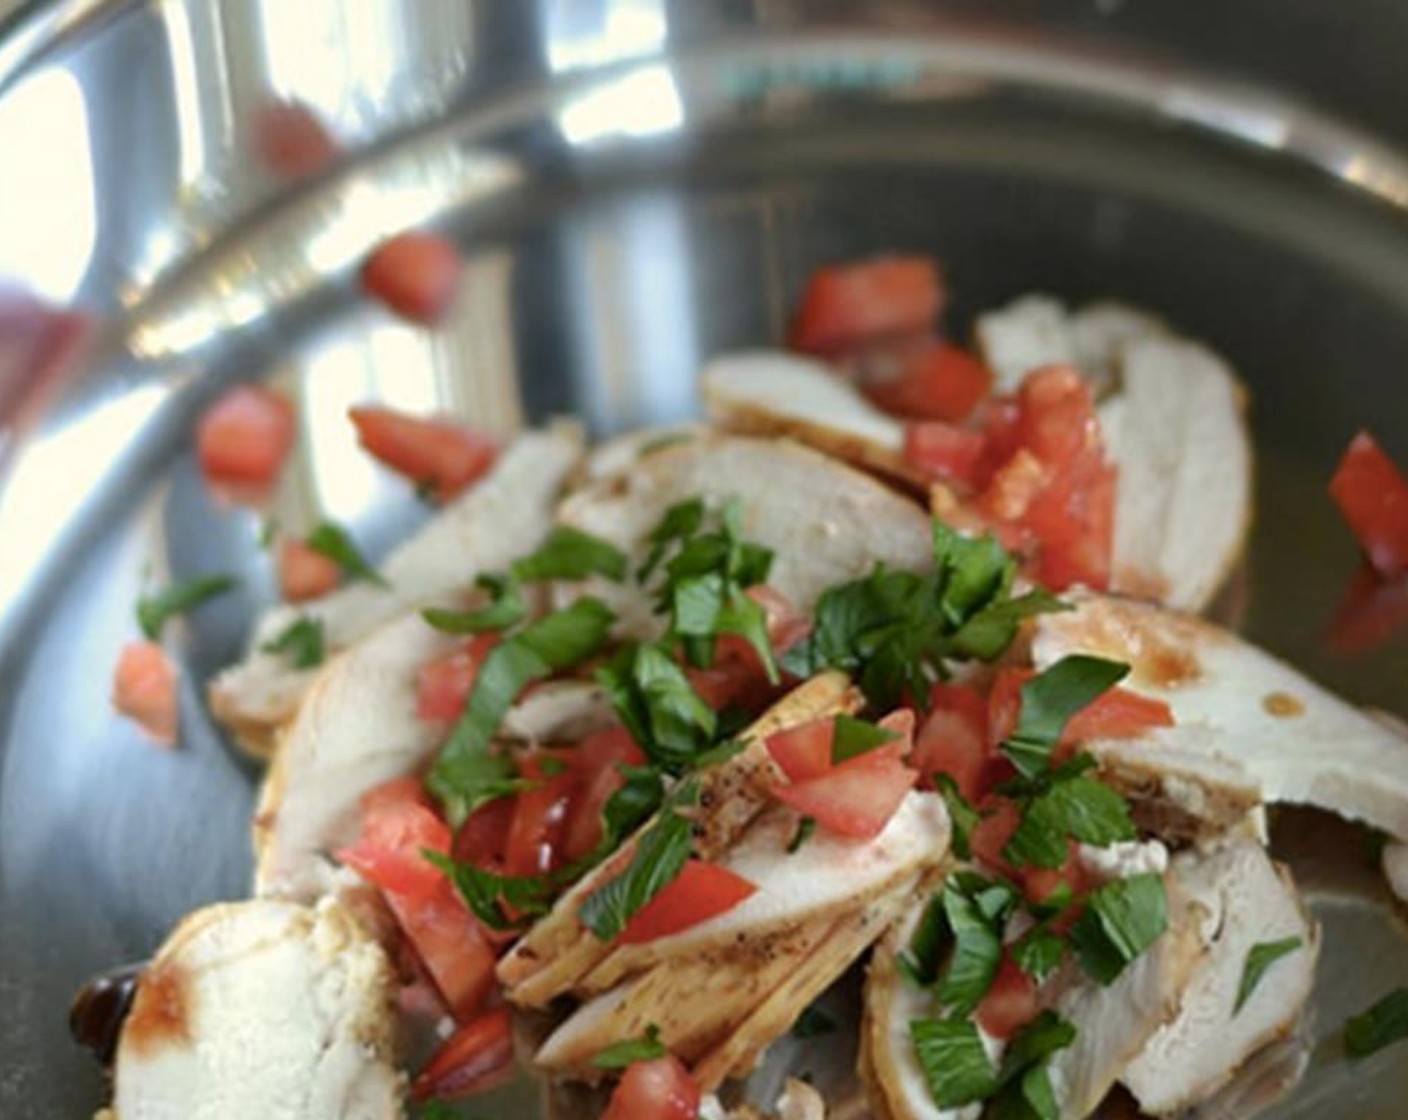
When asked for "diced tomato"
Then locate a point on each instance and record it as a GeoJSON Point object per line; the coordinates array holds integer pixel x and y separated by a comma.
{"type": "Point", "coordinates": [610, 747]}
{"type": "Point", "coordinates": [803, 751]}
{"type": "Point", "coordinates": [848, 305]}
{"type": "Point", "coordinates": [291, 141]}
{"type": "Point", "coordinates": [144, 688]}
{"type": "Point", "coordinates": [1372, 494]}
{"type": "Point", "coordinates": [899, 723]}
{"type": "Point", "coordinates": [243, 439]}
{"type": "Point", "coordinates": [1058, 422]}
{"type": "Point", "coordinates": [305, 573]}
{"type": "Point", "coordinates": [388, 852]}
{"type": "Point", "coordinates": [943, 450]}
{"type": "Point", "coordinates": [534, 842]}
{"type": "Point", "coordinates": [1075, 522]}
{"type": "Point", "coordinates": [1370, 612]}
{"type": "Point", "coordinates": [701, 891]}
{"type": "Point", "coordinates": [397, 791]}
{"type": "Point", "coordinates": [1005, 703]}
{"type": "Point", "coordinates": [415, 274]}
{"type": "Point", "coordinates": [953, 739]}
{"type": "Point", "coordinates": [483, 838]}
{"type": "Point", "coordinates": [786, 624]}
{"type": "Point", "coordinates": [441, 454]}
{"type": "Point", "coordinates": [991, 834]}
{"type": "Point", "coordinates": [1010, 1004]}
{"type": "Point", "coordinates": [938, 381]}
{"type": "Point", "coordinates": [1117, 714]}
{"type": "Point", "coordinates": [1014, 487]}
{"type": "Point", "coordinates": [476, 1057]}
{"type": "Point", "coordinates": [661, 1089]}
{"type": "Point", "coordinates": [451, 945]}
{"type": "Point", "coordinates": [1041, 884]}
{"type": "Point", "coordinates": [855, 799]}
{"type": "Point", "coordinates": [595, 762]}
{"type": "Point", "coordinates": [443, 684]}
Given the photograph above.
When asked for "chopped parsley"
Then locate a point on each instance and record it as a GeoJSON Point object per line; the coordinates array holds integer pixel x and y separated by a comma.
{"type": "Point", "coordinates": [571, 554]}
{"type": "Point", "coordinates": [301, 641]}
{"type": "Point", "coordinates": [654, 699]}
{"type": "Point", "coordinates": [336, 544]}
{"type": "Point", "coordinates": [1260, 957]}
{"type": "Point", "coordinates": [486, 893]}
{"type": "Point", "coordinates": [954, 1061]}
{"type": "Point", "coordinates": [154, 611]}
{"type": "Point", "coordinates": [853, 737]}
{"type": "Point", "coordinates": [1121, 919]}
{"type": "Point", "coordinates": [975, 911]}
{"type": "Point", "coordinates": [1076, 807]}
{"type": "Point", "coordinates": [1026, 1092]}
{"type": "Point", "coordinates": [504, 609]}
{"type": "Point", "coordinates": [1038, 952]}
{"type": "Point", "coordinates": [632, 1050]}
{"type": "Point", "coordinates": [1384, 1023]}
{"type": "Point", "coordinates": [1049, 700]}
{"type": "Point", "coordinates": [963, 818]}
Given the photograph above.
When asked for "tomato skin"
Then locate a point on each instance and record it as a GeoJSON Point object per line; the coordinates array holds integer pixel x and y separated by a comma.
{"type": "Point", "coordinates": [243, 439]}
{"type": "Point", "coordinates": [416, 274]}
{"type": "Point", "coordinates": [1039, 884]}
{"type": "Point", "coordinates": [1117, 714]}
{"type": "Point", "coordinates": [847, 305]}
{"type": "Point", "coordinates": [803, 751]}
{"type": "Point", "coordinates": [397, 791]}
{"type": "Point", "coordinates": [144, 688]}
{"type": "Point", "coordinates": [451, 945]}
{"type": "Point", "coordinates": [1372, 495]}
{"type": "Point", "coordinates": [534, 843]}
{"type": "Point", "coordinates": [661, 1089]}
{"type": "Point", "coordinates": [444, 683]}
{"type": "Point", "coordinates": [1005, 703]}
{"type": "Point", "coordinates": [938, 381]}
{"type": "Point", "coordinates": [483, 838]}
{"type": "Point", "coordinates": [854, 799]}
{"type": "Point", "coordinates": [440, 454]}
{"type": "Point", "coordinates": [944, 450]}
{"type": "Point", "coordinates": [701, 891]}
{"type": "Point", "coordinates": [953, 739]}
{"type": "Point", "coordinates": [305, 573]}
{"type": "Point", "coordinates": [990, 835]}
{"type": "Point", "coordinates": [1010, 1004]}
{"type": "Point", "coordinates": [476, 1057]}
{"type": "Point", "coordinates": [388, 852]}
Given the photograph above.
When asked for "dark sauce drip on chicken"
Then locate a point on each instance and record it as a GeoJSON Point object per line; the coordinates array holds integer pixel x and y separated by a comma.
{"type": "Point", "coordinates": [100, 1008]}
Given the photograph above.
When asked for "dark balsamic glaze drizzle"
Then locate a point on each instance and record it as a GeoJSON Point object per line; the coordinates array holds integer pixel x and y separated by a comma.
{"type": "Point", "coordinates": [99, 1009]}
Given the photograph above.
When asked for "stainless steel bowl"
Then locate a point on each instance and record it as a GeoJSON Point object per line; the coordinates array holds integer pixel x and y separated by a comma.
{"type": "Point", "coordinates": [635, 185]}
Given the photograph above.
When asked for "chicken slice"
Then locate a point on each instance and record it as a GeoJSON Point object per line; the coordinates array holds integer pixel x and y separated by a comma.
{"type": "Point", "coordinates": [1248, 900]}
{"type": "Point", "coordinates": [558, 951]}
{"type": "Point", "coordinates": [825, 522]}
{"type": "Point", "coordinates": [504, 516]}
{"type": "Point", "coordinates": [262, 1010]}
{"type": "Point", "coordinates": [621, 454]}
{"type": "Point", "coordinates": [1300, 743]}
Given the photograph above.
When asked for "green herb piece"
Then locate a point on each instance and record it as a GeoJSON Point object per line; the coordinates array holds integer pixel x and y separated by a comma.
{"type": "Point", "coordinates": [486, 893]}
{"type": "Point", "coordinates": [962, 816]}
{"type": "Point", "coordinates": [301, 641]}
{"type": "Point", "coordinates": [921, 961]}
{"type": "Point", "coordinates": [714, 756]}
{"type": "Point", "coordinates": [466, 773]}
{"type": "Point", "coordinates": [1384, 1023]}
{"type": "Point", "coordinates": [805, 828]}
{"type": "Point", "coordinates": [955, 1064]}
{"type": "Point", "coordinates": [1049, 700]}
{"type": "Point", "coordinates": [441, 1110]}
{"type": "Point", "coordinates": [1121, 920]}
{"type": "Point", "coordinates": [570, 554]}
{"type": "Point", "coordinates": [632, 1050]}
{"type": "Point", "coordinates": [654, 699]}
{"type": "Point", "coordinates": [1026, 1092]}
{"type": "Point", "coordinates": [680, 522]}
{"type": "Point", "coordinates": [334, 542]}
{"type": "Point", "coordinates": [813, 1023]}
{"type": "Point", "coordinates": [659, 857]}
{"type": "Point", "coordinates": [976, 911]}
{"type": "Point", "coordinates": [1078, 807]}
{"type": "Point", "coordinates": [1038, 953]}
{"type": "Point", "coordinates": [854, 737]}
{"type": "Point", "coordinates": [1260, 957]}
{"type": "Point", "coordinates": [504, 609]}
{"type": "Point", "coordinates": [154, 611]}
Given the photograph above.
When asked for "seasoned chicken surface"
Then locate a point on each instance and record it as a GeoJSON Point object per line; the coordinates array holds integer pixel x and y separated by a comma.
{"type": "Point", "coordinates": [262, 1010]}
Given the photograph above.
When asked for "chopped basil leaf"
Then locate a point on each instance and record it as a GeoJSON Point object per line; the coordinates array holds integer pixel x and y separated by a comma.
{"type": "Point", "coordinates": [1120, 921]}
{"type": "Point", "coordinates": [988, 633]}
{"type": "Point", "coordinates": [639, 796]}
{"type": "Point", "coordinates": [1049, 700]}
{"type": "Point", "coordinates": [632, 1050]}
{"type": "Point", "coordinates": [962, 816]}
{"type": "Point", "coordinates": [441, 1110]}
{"type": "Point", "coordinates": [465, 774]}
{"type": "Point", "coordinates": [334, 543]}
{"type": "Point", "coordinates": [920, 963]}
{"type": "Point", "coordinates": [301, 641]}
{"type": "Point", "coordinates": [1078, 807]}
{"type": "Point", "coordinates": [1028, 1096]}
{"type": "Point", "coordinates": [855, 737]}
{"type": "Point", "coordinates": [486, 894]}
{"type": "Point", "coordinates": [805, 827]}
{"type": "Point", "coordinates": [659, 857]}
{"type": "Point", "coordinates": [976, 911]}
{"type": "Point", "coordinates": [955, 1064]}
{"type": "Point", "coordinates": [1038, 1040]}
{"type": "Point", "coordinates": [505, 608]}
{"type": "Point", "coordinates": [747, 618]}
{"type": "Point", "coordinates": [1038, 953]}
{"type": "Point", "coordinates": [813, 1023]}
{"type": "Point", "coordinates": [1026, 1092]}
{"type": "Point", "coordinates": [654, 699]}
{"type": "Point", "coordinates": [1384, 1023]}
{"type": "Point", "coordinates": [154, 611]}
{"type": "Point", "coordinates": [570, 554]}
{"type": "Point", "coordinates": [680, 522]}
{"type": "Point", "coordinates": [1260, 957]}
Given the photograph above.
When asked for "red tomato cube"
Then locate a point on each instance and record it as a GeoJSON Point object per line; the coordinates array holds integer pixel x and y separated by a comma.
{"type": "Point", "coordinates": [243, 439]}
{"type": "Point", "coordinates": [1372, 494]}
{"type": "Point", "coordinates": [415, 274]}
{"type": "Point", "coordinates": [144, 688]}
{"type": "Point", "coordinates": [441, 455]}
{"type": "Point", "coordinates": [661, 1089]}
{"type": "Point", "coordinates": [849, 305]}
{"type": "Point", "coordinates": [701, 891]}
{"type": "Point", "coordinates": [305, 573]}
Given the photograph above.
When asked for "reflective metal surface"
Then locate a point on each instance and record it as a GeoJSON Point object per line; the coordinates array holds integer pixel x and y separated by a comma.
{"type": "Point", "coordinates": [634, 185]}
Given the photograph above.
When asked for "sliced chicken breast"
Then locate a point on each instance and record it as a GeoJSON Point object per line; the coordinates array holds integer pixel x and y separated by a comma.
{"type": "Point", "coordinates": [558, 951]}
{"type": "Point", "coordinates": [620, 454]}
{"type": "Point", "coordinates": [1300, 743]}
{"type": "Point", "coordinates": [262, 1010]}
{"type": "Point", "coordinates": [1248, 900]}
{"type": "Point", "coordinates": [825, 522]}
{"type": "Point", "coordinates": [498, 520]}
